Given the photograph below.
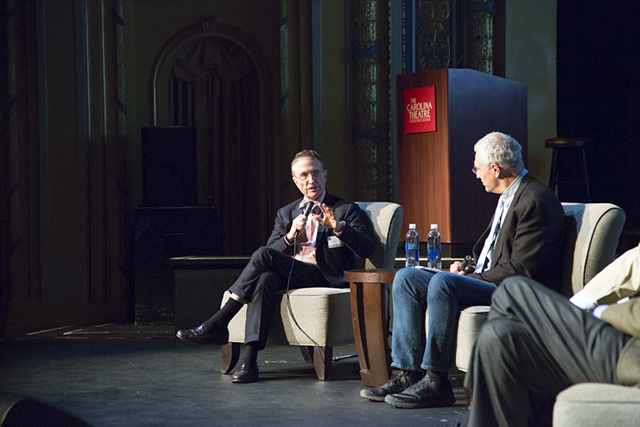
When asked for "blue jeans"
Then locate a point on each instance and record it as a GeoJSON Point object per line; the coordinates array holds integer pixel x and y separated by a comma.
{"type": "Point", "coordinates": [444, 294]}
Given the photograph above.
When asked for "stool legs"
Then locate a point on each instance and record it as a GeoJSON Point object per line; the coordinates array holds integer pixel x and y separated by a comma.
{"type": "Point", "coordinates": [554, 175]}
{"type": "Point", "coordinates": [584, 174]}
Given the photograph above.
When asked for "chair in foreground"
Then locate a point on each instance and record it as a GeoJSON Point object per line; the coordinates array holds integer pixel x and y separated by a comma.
{"type": "Point", "coordinates": [324, 314]}
{"type": "Point", "coordinates": [595, 404]}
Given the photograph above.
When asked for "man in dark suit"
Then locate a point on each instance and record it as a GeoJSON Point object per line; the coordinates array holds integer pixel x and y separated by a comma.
{"type": "Point", "coordinates": [323, 245]}
{"type": "Point", "coordinates": [524, 238]}
{"type": "Point", "coordinates": [536, 343]}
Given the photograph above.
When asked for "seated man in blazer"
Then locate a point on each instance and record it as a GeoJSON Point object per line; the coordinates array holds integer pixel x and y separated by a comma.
{"type": "Point", "coordinates": [524, 238]}
{"type": "Point", "coordinates": [323, 233]}
{"type": "Point", "coordinates": [536, 343]}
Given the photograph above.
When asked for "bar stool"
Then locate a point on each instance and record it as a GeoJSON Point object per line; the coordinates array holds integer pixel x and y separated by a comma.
{"type": "Point", "coordinates": [578, 147]}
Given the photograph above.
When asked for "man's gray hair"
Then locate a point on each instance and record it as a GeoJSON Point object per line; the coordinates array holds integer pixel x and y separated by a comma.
{"type": "Point", "coordinates": [307, 153]}
{"type": "Point", "coordinates": [496, 148]}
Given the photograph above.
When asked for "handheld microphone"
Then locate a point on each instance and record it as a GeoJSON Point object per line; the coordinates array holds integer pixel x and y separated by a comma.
{"type": "Point", "coordinates": [307, 211]}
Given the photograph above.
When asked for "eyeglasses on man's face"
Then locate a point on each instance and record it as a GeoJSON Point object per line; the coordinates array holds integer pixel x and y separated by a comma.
{"type": "Point", "coordinates": [476, 171]}
{"type": "Point", "coordinates": [316, 174]}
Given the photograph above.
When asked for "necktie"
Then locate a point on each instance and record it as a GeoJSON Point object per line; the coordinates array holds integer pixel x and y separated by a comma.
{"type": "Point", "coordinates": [307, 236]}
{"type": "Point", "coordinates": [305, 250]}
{"type": "Point", "coordinates": [489, 243]}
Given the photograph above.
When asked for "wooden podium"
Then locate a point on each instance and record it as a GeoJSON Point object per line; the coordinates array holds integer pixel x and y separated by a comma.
{"type": "Point", "coordinates": [435, 182]}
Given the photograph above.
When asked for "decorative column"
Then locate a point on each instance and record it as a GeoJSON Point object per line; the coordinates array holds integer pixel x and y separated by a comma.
{"type": "Point", "coordinates": [434, 35]}
{"type": "Point", "coordinates": [452, 34]}
{"type": "Point", "coordinates": [370, 92]}
{"type": "Point", "coordinates": [478, 35]}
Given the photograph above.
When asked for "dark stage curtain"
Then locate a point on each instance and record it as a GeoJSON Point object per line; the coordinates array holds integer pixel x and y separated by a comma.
{"type": "Point", "coordinates": [214, 87]}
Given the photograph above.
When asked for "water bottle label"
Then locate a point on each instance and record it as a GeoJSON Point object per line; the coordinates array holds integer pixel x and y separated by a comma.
{"type": "Point", "coordinates": [410, 246]}
{"type": "Point", "coordinates": [431, 255]}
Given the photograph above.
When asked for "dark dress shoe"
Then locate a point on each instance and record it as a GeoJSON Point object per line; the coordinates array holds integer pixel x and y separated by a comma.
{"type": "Point", "coordinates": [198, 336]}
{"type": "Point", "coordinates": [246, 374]}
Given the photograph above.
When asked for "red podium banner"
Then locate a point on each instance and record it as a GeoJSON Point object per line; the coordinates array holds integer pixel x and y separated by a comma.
{"type": "Point", "coordinates": [419, 110]}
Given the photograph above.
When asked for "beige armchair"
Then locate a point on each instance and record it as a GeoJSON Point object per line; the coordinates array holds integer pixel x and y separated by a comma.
{"type": "Point", "coordinates": [591, 246]}
{"type": "Point", "coordinates": [594, 404]}
{"type": "Point", "coordinates": [324, 314]}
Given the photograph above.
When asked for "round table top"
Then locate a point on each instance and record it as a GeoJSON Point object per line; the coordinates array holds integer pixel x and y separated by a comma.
{"type": "Point", "coordinates": [378, 275]}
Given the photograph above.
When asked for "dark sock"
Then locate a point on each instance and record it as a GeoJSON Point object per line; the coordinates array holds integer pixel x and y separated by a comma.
{"type": "Point", "coordinates": [416, 375]}
{"type": "Point", "coordinates": [250, 353]}
{"type": "Point", "coordinates": [222, 318]}
{"type": "Point", "coordinates": [438, 377]}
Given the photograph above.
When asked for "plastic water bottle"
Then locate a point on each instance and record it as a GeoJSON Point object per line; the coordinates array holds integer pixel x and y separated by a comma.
{"type": "Point", "coordinates": [412, 247]}
{"type": "Point", "coordinates": [434, 250]}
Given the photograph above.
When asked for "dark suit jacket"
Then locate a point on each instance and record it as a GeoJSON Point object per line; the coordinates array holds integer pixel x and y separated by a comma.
{"type": "Point", "coordinates": [334, 254]}
{"type": "Point", "coordinates": [531, 240]}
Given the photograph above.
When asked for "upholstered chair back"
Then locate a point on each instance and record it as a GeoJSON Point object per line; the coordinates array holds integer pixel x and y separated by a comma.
{"type": "Point", "coordinates": [387, 222]}
{"type": "Point", "coordinates": [592, 231]}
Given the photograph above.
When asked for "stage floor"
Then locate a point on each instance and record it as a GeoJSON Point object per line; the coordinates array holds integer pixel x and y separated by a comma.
{"type": "Point", "coordinates": [127, 375]}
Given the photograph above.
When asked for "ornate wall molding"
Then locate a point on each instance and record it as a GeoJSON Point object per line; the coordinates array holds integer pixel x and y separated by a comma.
{"type": "Point", "coordinates": [478, 35]}
{"type": "Point", "coordinates": [434, 36]}
{"type": "Point", "coordinates": [450, 34]}
{"type": "Point", "coordinates": [370, 89]}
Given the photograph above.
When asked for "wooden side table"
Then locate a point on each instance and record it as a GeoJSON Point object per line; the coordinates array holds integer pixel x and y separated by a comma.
{"type": "Point", "coordinates": [369, 312]}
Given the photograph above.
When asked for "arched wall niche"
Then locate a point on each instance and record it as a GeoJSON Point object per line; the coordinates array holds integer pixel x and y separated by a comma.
{"type": "Point", "coordinates": [205, 28]}
{"type": "Point", "coordinates": [244, 205]}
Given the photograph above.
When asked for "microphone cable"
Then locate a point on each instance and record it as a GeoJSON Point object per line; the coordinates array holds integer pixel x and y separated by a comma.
{"type": "Point", "coordinates": [295, 321]}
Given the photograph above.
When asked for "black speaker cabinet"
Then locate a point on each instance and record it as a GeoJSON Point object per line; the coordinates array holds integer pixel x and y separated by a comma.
{"type": "Point", "coordinates": [169, 166]}
{"type": "Point", "coordinates": [160, 234]}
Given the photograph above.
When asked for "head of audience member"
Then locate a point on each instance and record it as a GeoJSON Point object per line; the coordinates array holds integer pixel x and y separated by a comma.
{"type": "Point", "coordinates": [498, 161]}
{"type": "Point", "coordinates": [309, 174]}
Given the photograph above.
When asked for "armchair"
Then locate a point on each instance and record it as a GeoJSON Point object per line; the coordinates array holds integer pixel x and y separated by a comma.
{"type": "Point", "coordinates": [594, 404]}
{"type": "Point", "coordinates": [323, 313]}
